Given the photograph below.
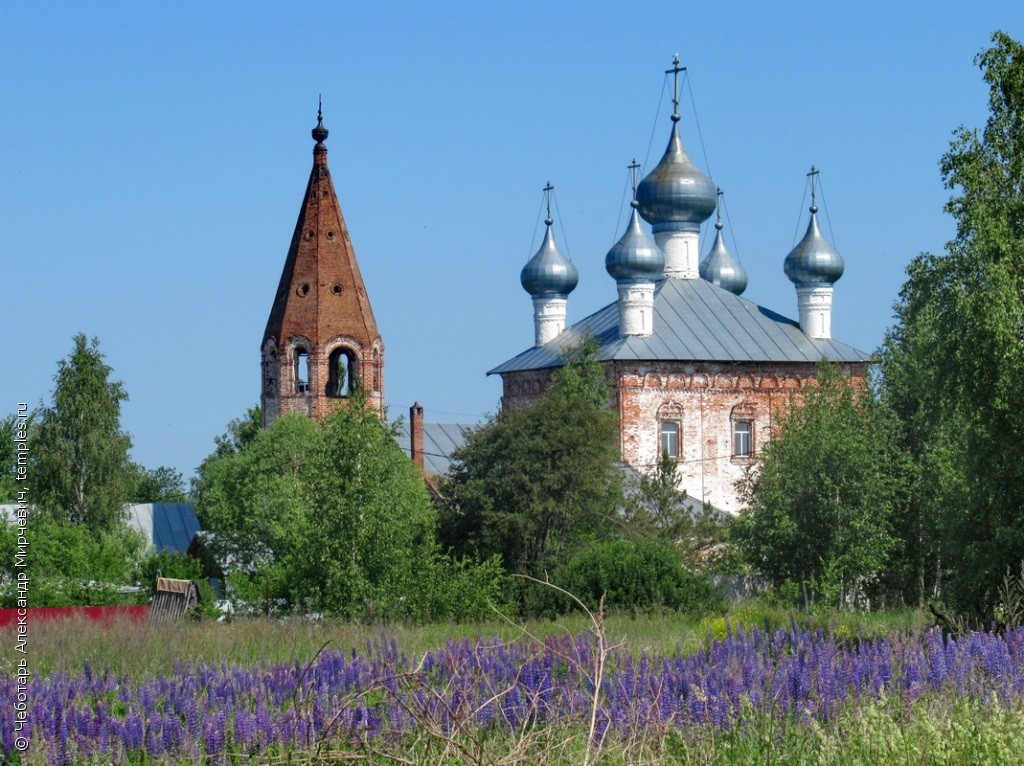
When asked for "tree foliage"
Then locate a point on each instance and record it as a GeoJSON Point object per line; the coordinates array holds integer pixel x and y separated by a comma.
{"type": "Point", "coordinates": [636, 575]}
{"type": "Point", "coordinates": [70, 564]}
{"type": "Point", "coordinates": [820, 505]}
{"type": "Point", "coordinates": [8, 459]}
{"type": "Point", "coordinates": [326, 516]}
{"type": "Point", "coordinates": [537, 483]}
{"type": "Point", "coordinates": [656, 509]}
{"type": "Point", "coordinates": [954, 362]}
{"type": "Point", "coordinates": [80, 471]}
{"type": "Point", "coordinates": [157, 485]}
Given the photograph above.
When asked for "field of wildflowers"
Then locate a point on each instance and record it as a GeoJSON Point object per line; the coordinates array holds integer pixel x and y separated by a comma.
{"type": "Point", "coordinates": [569, 699]}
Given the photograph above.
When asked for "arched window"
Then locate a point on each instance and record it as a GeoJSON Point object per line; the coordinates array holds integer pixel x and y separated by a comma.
{"type": "Point", "coordinates": [342, 373]}
{"type": "Point", "coordinates": [376, 369]}
{"type": "Point", "coordinates": [301, 370]}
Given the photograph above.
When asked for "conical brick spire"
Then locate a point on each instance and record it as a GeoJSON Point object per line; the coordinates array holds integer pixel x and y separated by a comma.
{"type": "Point", "coordinates": [321, 343]}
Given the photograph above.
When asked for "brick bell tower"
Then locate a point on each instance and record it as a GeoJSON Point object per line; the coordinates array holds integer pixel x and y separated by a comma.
{"type": "Point", "coordinates": [321, 344]}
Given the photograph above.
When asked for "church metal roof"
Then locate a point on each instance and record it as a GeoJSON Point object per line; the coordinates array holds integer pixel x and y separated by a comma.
{"type": "Point", "coordinates": [697, 321]}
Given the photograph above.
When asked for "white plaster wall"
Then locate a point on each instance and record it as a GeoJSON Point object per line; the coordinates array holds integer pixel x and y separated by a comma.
{"type": "Point", "coordinates": [636, 308]}
{"type": "Point", "coordinates": [815, 306]}
{"type": "Point", "coordinates": [548, 318]}
{"type": "Point", "coordinates": [682, 253]}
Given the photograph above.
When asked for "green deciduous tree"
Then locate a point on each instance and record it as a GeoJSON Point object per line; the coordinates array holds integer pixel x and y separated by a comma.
{"type": "Point", "coordinates": [954, 362]}
{"type": "Point", "coordinates": [80, 471]}
{"type": "Point", "coordinates": [157, 485]}
{"type": "Point", "coordinates": [821, 502]}
{"type": "Point", "coordinates": [72, 565]}
{"type": "Point", "coordinates": [537, 483]}
{"type": "Point", "coordinates": [8, 460]}
{"type": "Point", "coordinates": [327, 516]}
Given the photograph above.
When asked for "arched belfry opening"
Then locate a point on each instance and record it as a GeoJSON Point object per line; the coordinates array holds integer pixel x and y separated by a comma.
{"type": "Point", "coordinates": [322, 300]}
{"type": "Point", "coordinates": [302, 370]}
{"type": "Point", "coordinates": [342, 373]}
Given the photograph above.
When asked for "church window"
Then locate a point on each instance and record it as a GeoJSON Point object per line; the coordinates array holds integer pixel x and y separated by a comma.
{"type": "Point", "coordinates": [301, 371]}
{"type": "Point", "coordinates": [376, 369]}
{"type": "Point", "coordinates": [742, 441]}
{"type": "Point", "coordinates": [670, 439]}
{"type": "Point", "coordinates": [342, 377]}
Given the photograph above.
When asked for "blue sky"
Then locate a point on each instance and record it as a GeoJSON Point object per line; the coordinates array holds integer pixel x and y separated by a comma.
{"type": "Point", "coordinates": [153, 158]}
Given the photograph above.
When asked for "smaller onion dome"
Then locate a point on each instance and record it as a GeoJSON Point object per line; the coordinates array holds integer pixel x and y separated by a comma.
{"type": "Point", "coordinates": [635, 256]}
{"type": "Point", "coordinates": [720, 268]}
{"type": "Point", "coordinates": [676, 194]}
{"type": "Point", "coordinates": [548, 272]}
{"type": "Point", "coordinates": [814, 261]}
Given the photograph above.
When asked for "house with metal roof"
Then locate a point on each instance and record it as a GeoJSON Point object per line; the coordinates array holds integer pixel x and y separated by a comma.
{"type": "Point", "coordinates": [698, 373]}
{"type": "Point", "coordinates": [165, 526]}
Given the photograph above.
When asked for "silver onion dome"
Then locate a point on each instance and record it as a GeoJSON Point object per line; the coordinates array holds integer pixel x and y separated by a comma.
{"type": "Point", "coordinates": [635, 256]}
{"type": "Point", "coordinates": [814, 261]}
{"type": "Point", "coordinates": [676, 194]}
{"type": "Point", "coordinates": [721, 269]}
{"type": "Point", "coordinates": [549, 272]}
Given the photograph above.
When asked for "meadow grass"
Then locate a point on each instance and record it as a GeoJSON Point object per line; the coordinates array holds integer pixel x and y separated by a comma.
{"type": "Point", "coordinates": [135, 651]}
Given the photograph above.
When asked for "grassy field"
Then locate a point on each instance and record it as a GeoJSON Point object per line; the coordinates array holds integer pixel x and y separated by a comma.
{"type": "Point", "coordinates": [137, 651]}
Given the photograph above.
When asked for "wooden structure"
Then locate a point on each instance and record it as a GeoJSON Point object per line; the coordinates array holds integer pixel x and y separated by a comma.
{"type": "Point", "coordinates": [173, 598]}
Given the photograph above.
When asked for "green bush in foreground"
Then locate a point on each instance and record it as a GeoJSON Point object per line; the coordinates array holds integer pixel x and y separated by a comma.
{"type": "Point", "coordinates": [637, 575]}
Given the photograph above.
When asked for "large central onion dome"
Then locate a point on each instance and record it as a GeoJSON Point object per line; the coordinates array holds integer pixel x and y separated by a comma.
{"type": "Point", "coordinates": [635, 256]}
{"type": "Point", "coordinates": [548, 272]}
{"type": "Point", "coordinates": [676, 194]}
{"type": "Point", "coordinates": [814, 261]}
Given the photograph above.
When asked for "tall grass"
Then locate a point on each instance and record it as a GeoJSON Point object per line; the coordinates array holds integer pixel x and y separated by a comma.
{"type": "Point", "coordinates": [135, 651]}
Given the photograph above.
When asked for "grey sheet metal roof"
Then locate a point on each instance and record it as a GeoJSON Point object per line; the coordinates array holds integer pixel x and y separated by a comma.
{"type": "Point", "coordinates": [694, 320]}
{"type": "Point", "coordinates": [439, 441]}
{"type": "Point", "coordinates": [167, 526]}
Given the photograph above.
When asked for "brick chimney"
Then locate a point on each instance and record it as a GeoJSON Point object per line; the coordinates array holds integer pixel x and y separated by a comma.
{"type": "Point", "coordinates": [416, 434]}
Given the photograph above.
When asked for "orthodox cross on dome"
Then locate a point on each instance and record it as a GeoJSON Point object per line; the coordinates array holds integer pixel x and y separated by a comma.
{"type": "Point", "coordinates": [674, 71]}
{"type": "Point", "coordinates": [718, 206]}
{"type": "Point", "coordinates": [548, 188]}
{"type": "Point", "coordinates": [634, 169]}
{"type": "Point", "coordinates": [813, 175]}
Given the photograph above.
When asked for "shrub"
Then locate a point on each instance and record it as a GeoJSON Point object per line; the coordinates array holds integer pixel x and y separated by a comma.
{"type": "Point", "coordinates": [637, 575]}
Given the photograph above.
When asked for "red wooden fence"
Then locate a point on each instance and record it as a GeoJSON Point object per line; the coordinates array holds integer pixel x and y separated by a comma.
{"type": "Point", "coordinates": [103, 614]}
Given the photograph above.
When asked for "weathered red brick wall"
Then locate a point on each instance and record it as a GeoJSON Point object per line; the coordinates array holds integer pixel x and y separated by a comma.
{"type": "Point", "coordinates": [705, 399]}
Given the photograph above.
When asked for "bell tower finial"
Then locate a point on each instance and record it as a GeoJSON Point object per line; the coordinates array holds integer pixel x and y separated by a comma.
{"type": "Point", "coordinates": [548, 188]}
{"type": "Point", "coordinates": [320, 133]}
